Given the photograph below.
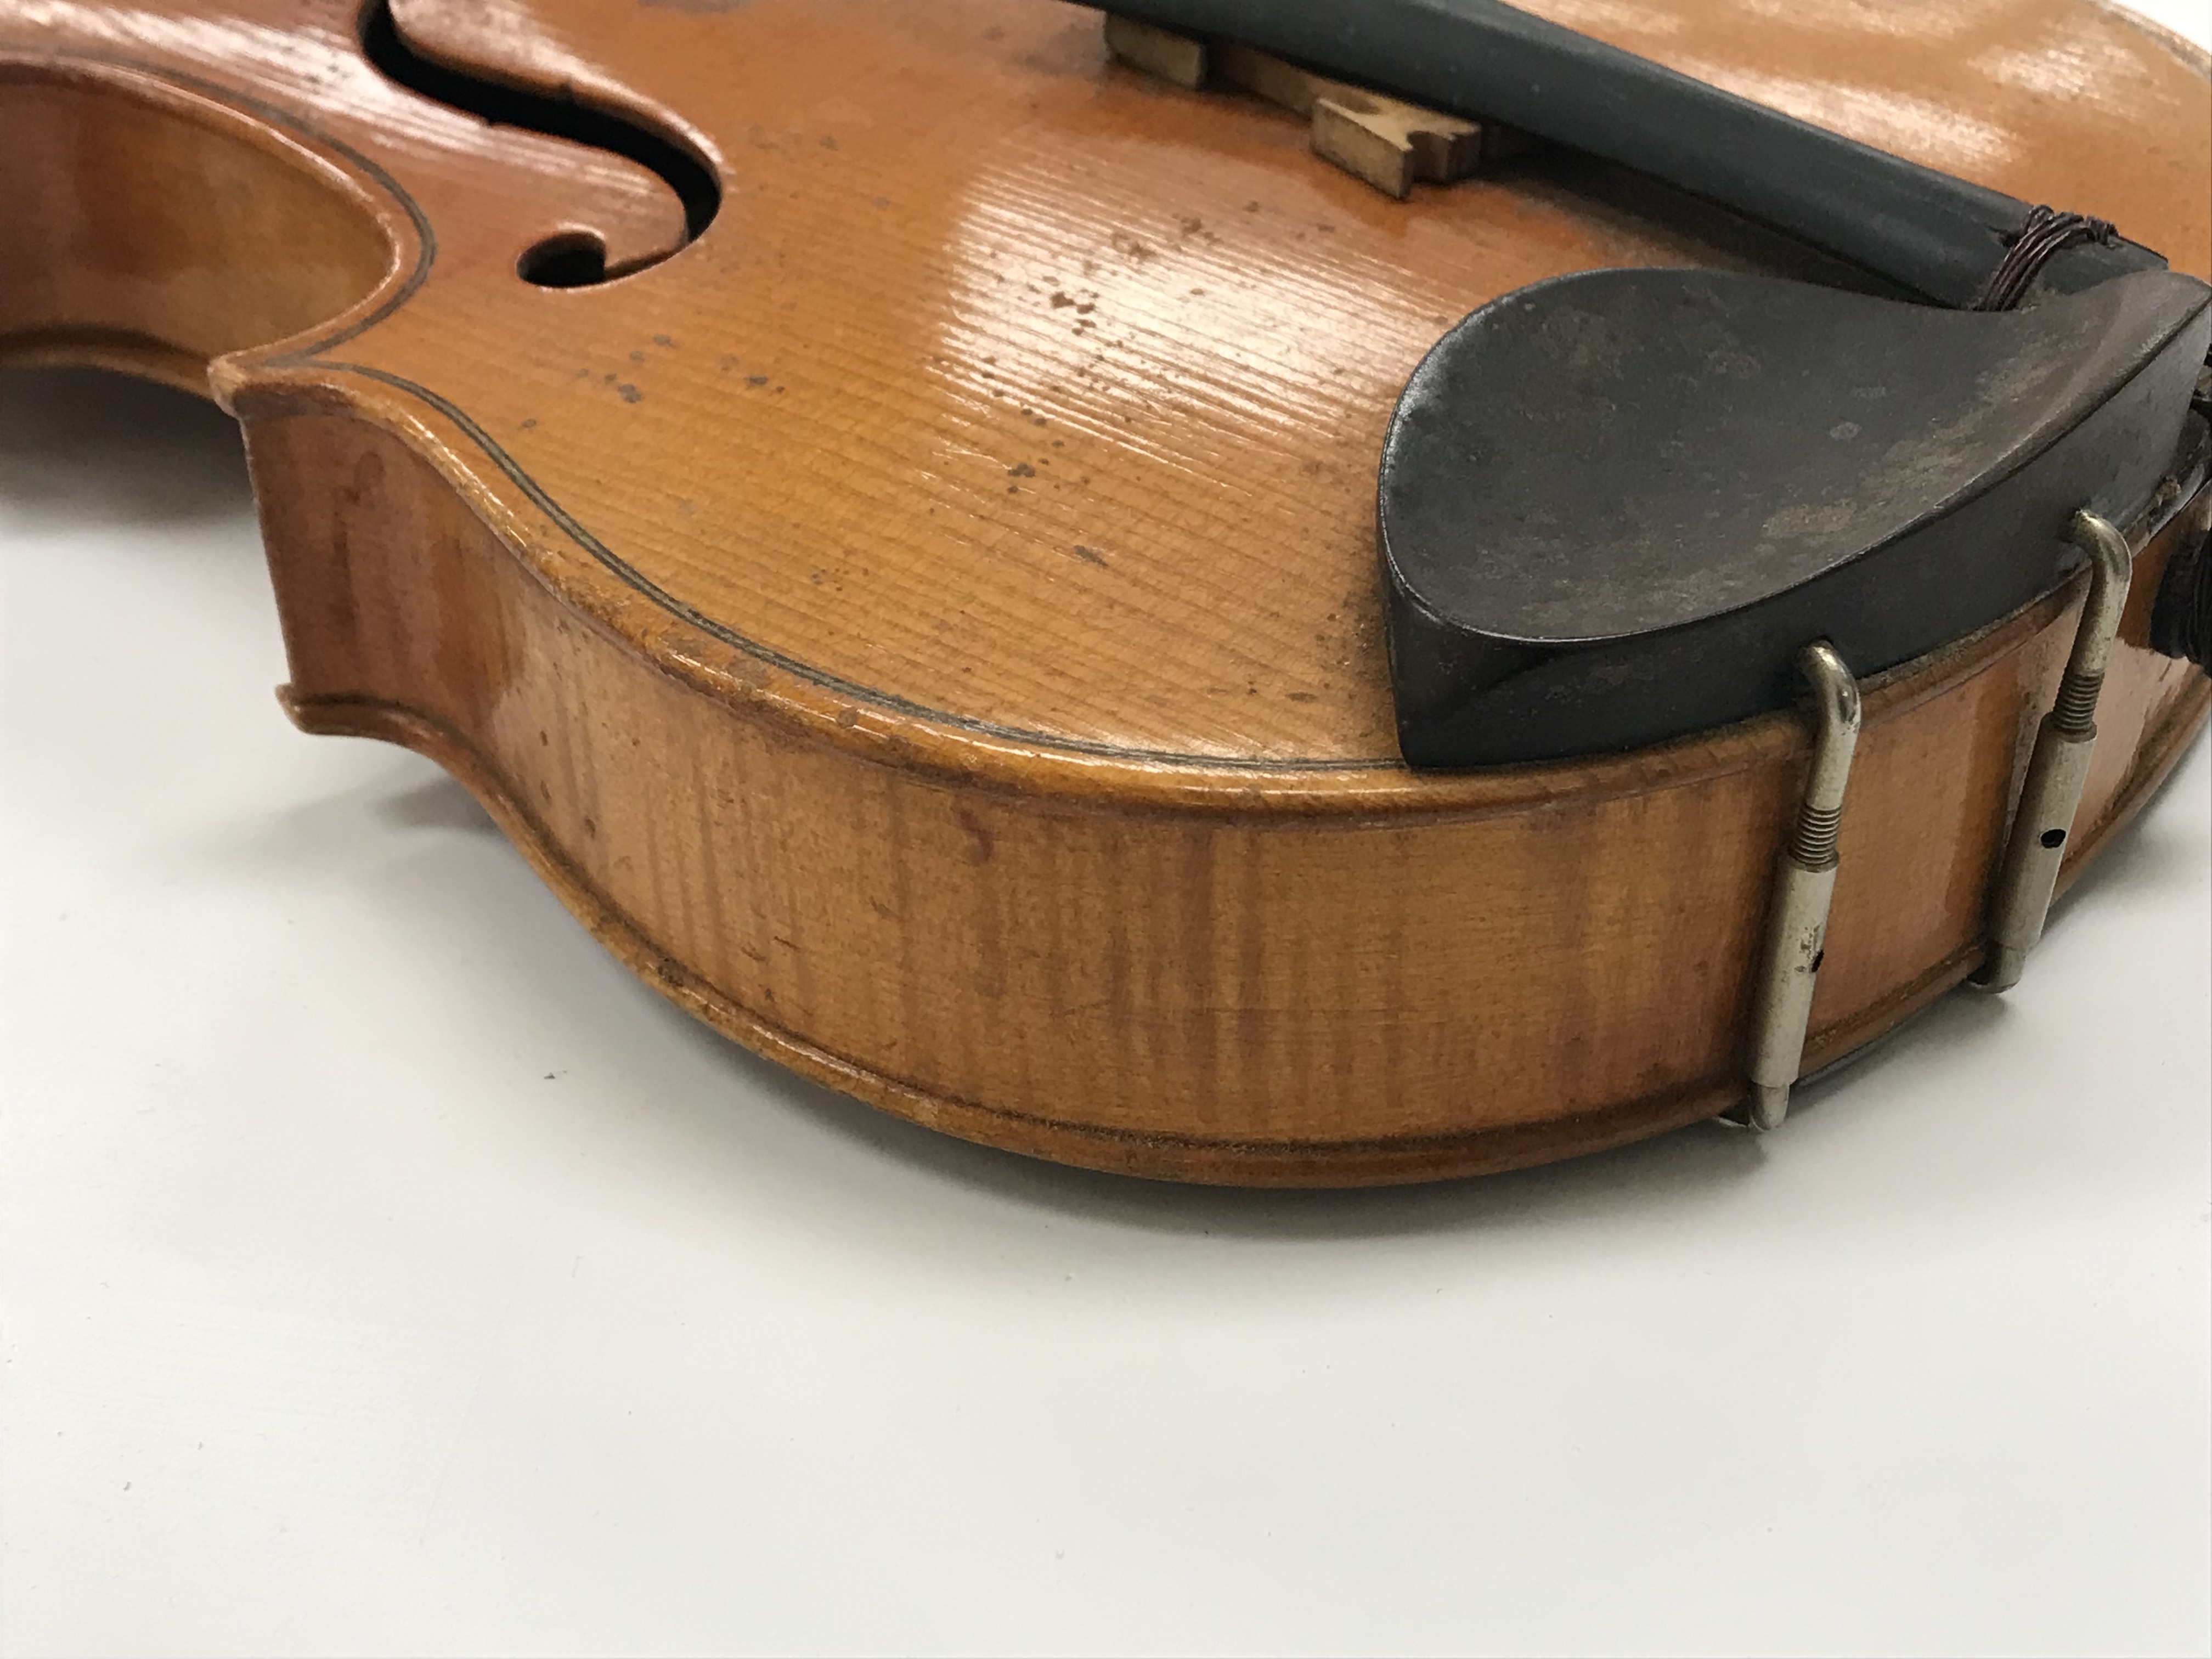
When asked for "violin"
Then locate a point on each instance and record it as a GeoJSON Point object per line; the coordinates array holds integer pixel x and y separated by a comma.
{"type": "Point", "coordinates": [1267, 592]}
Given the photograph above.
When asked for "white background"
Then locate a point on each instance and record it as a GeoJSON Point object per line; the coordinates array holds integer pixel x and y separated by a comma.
{"type": "Point", "coordinates": [385, 1270]}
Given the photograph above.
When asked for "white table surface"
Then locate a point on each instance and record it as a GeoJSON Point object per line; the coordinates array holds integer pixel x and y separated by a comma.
{"type": "Point", "coordinates": [385, 1270]}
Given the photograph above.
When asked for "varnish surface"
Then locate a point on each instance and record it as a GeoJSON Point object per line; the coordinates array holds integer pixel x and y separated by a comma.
{"type": "Point", "coordinates": [1042, 402]}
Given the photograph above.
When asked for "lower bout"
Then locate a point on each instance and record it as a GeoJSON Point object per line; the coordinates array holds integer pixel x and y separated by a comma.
{"type": "Point", "coordinates": [1242, 1001]}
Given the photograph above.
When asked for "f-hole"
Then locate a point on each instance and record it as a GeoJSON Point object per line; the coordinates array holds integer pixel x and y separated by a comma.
{"type": "Point", "coordinates": [571, 259]}
{"type": "Point", "coordinates": [564, 261]}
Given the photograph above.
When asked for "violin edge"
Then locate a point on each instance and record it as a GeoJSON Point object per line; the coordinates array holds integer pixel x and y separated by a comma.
{"type": "Point", "coordinates": [961, 954]}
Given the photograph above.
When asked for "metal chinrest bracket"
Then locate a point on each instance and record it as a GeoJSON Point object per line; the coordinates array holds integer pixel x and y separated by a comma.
{"type": "Point", "coordinates": [1805, 881]}
{"type": "Point", "coordinates": [2059, 766]}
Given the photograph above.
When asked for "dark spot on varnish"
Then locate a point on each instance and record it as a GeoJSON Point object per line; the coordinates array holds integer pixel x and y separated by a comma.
{"type": "Point", "coordinates": [1090, 556]}
{"type": "Point", "coordinates": [637, 356]}
{"type": "Point", "coordinates": [982, 844]}
{"type": "Point", "coordinates": [662, 340]}
{"type": "Point", "coordinates": [591, 828]}
{"type": "Point", "coordinates": [630, 394]}
{"type": "Point", "coordinates": [1021, 470]}
{"type": "Point", "coordinates": [529, 424]}
{"type": "Point", "coordinates": [1303, 696]}
{"type": "Point", "coordinates": [756, 379]}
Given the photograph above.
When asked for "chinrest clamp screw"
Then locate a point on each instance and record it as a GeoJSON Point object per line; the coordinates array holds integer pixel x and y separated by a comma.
{"type": "Point", "coordinates": [1797, 922]}
{"type": "Point", "coordinates": [2059, 766]}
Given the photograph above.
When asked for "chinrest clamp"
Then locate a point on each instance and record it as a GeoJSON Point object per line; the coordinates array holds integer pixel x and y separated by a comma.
{"type": "Point", "coordinates": [2059, 766]}
{"type": "Point", "coordinates": [1797, 920]}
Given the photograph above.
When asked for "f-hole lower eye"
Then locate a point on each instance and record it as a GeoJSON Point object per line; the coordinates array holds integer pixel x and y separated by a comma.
{"type": "Point", "coordinates": [571, 258]}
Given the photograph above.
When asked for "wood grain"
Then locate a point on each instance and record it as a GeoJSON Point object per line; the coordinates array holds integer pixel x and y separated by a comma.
{"type": "Point", "coordinates": [928, 627]}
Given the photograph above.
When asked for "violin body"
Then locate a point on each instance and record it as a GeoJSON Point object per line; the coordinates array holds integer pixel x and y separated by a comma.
{"type": "Point", "coordinates": [928, 625]}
